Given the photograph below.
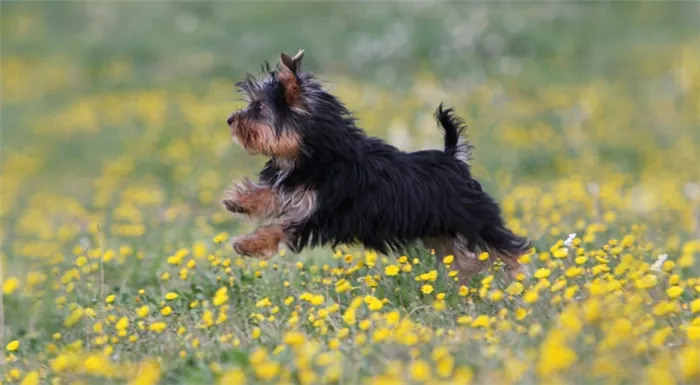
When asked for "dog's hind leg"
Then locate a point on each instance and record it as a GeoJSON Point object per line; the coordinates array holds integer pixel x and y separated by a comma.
{"type": "Point", "coordinates": [441, 246]}
{"type": "Point", "coordinates": [467, 262]}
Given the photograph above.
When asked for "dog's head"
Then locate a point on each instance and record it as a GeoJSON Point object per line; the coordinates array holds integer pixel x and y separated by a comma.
{"type": "Point", "coordinates": [287, 110]}
{"type": "Point", "coordinates": [266, 125]}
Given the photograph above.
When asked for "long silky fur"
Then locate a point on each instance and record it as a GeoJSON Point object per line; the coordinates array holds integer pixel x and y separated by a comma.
{"type": "Point", "coordinates": [371, 193]}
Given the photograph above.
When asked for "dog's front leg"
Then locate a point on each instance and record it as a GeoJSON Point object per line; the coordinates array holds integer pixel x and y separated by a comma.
{"type": "Point", "coordinates": [256, 201]}
{"type": "Point", "coordinates": [262, 243]}
{"type": "Point", "coordinates": [291, 208]}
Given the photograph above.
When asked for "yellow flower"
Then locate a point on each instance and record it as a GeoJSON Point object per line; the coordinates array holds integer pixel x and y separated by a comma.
{"type": "Point", "coordinates": [73, 317]}
{"type": "Point", "coordinates": [256, 333]}
{"type": "Point", "coordinates": [483, 256]}
{"type": "Point", "coordinates": [14, 373]}
{"type": "Point", "coordinates": [674, 279]}
{"type": "Point", "coordinates": [370, 258]}
{"type": "Point", "coordinates": [659, 337]}
{"type": "Point", "coordinates": [426, 289]}
{"type": "Point", "coordinates": [558, 285]}
{"type": "Point", "coordinates": [166, 310]}
{"type": "Point", "coordinates": [693, 332]}
{"type": "Point", "coordinates": [11, 284]}
{"type": "Point", "coordinates": [375, 304]}
{"type": "Point", "coordinates": [391, 270]}
{"type": "Point", "coordinates": [12, 346]}
{"type": "Point", "coordinates": [221, 296]}
{"type": "Point", "coordinates": [293, 338]}
{"type": "Point", "coordinates": [32, 378]}
{"type": "Point", "coordinates": [440, 305]}
{"type": "Point", "coordinates": [674, 291]}
{"type": "Point", "coordinates": [463, 291]}
{"type": "Point", "coordinates": [380, 335]}
{"type": "Point", "coordinates": [695, 306]}
{"type": "Point", "coordinates": [448, 259]}
{"type": "Point", "coordinates": [689, 357]}
{"type": "Point", "coordinates": [481, 321]}
{"type": "Point", "coordinates": [349, 316]}
{"type": "Point", "coordinates": [664, 307]}
{"type": "Point", "coordinates": [659, 374]}
{"type": "Point", "coordinates": [234, 376]}
{"type": "Point", "coordinates": [531, 296]}
{"type": "Point", "coordinates": [429, 276]}
{"type": "Point", "coordinates": [570, 292]}
{"type": "Point", "coordinates": [365, 324]}
{"type": "Point", "coordinates": [110, 298]}
{"type": "Point", "coordinates": [496, 295]}
{"type": "Point", "coordinates": [420, 371]}
{"type": "Point", "coordinates": [342, 333]}
{"type": "Point", "coordinates": [561, 253]}
{"type": "Point", "coordinates": [220, 238]}
{"type": "Point", "coordinates": [171, 296]}
{"type": "Point", "coordinates": [148, 373]}
{"type": "Point", "coordinates": [515, 288]}
{"type": "Point", "coordinates": [122, 324]}
{"type": "Point", "coordinates": [157, 327]}
{"type": "Point", "coordinates": [463, 375]}
{"type": "Point", "coordinates": [266, 370]}
{"type": "Point", "coordinates": [265, 302]}
{"type": "Point", "coordinates": [646, 282]}
{"type": "Point", "coordinates": [554, 356]}
{"type": "Point", "coordinates": [542, 273]}
{"type": "Point", "coordinates": [142, 311]}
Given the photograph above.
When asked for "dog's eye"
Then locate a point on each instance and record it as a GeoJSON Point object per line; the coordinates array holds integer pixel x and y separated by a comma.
{"type": "Point", "coordinates": [256, 106]}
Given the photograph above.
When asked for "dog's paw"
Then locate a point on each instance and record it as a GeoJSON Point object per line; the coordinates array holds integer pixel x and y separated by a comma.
{"type": "Point", "coordinates": [232, 206]}
{"type": "Point", "coordinates": [249, 246]}
{"type": "Point", "coordinates": [235, 196]}
{"type": "Point", "coordinates": [239, 246]}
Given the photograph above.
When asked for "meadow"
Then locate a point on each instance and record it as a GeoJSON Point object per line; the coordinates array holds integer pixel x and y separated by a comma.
{"type": "Point", "coordinates": [116, 259]}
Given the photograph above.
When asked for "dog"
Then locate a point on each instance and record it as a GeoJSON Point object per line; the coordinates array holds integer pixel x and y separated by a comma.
{"type": "Point", "coordinates": [328, 183]}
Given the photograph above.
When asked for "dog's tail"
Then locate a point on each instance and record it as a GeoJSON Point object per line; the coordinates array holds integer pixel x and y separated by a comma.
{"type": "Point", "coordinates": [454, 129]}
{"type": "Point", "coordinates": [504, 242]}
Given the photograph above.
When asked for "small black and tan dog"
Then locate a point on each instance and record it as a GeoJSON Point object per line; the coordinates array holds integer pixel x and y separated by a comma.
{"type": "Point", "coordinates": [328, 183]}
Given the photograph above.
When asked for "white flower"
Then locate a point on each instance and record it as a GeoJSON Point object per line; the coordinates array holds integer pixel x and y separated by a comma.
{"type": "Point", "coordinates": [659, 262]}
{"type": "Point", "coordinates": [569, 240]}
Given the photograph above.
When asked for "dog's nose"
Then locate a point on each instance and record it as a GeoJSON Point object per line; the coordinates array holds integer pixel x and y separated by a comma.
{"type": "Point", "coordinates": [230, 120]}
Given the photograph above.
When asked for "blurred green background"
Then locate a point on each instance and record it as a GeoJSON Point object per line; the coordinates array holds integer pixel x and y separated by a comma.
{"type": "Point", "coordinates": [114, 147]}
{"type": "Point", "coordinates": [113, 112]}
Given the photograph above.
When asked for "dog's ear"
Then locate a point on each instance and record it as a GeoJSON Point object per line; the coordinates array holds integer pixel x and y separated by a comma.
{"type": "Point", "coordinates": [288, 76]}
{"type": "Point", "coordinates": [293, 64]}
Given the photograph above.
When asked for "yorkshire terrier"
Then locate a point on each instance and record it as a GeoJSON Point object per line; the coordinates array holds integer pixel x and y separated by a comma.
{"type": "Point", "coordinates": [328, 183]}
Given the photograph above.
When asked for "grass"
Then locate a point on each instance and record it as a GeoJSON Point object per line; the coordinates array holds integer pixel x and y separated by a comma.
{"type": "Point", "coordinates": [116, 266]}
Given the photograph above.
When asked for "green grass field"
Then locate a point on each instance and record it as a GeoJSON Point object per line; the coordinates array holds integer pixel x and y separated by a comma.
{"type": "Point", "coordinates": [116, 262]}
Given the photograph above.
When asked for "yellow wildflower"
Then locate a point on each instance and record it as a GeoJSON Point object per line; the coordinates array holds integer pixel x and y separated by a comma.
{"type": "Point", "coordinates": [420, 371]}
{"type": "Point", "coordinates": [142, 311]}
{"type": "Point", "coordinates": [391, 270]}
{"type": "Point", "coordinates": [674, 291]}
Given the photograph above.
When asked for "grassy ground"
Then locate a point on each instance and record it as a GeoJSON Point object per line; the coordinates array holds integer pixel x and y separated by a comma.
{"type": "Point", "coordinates": [116, 266]}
